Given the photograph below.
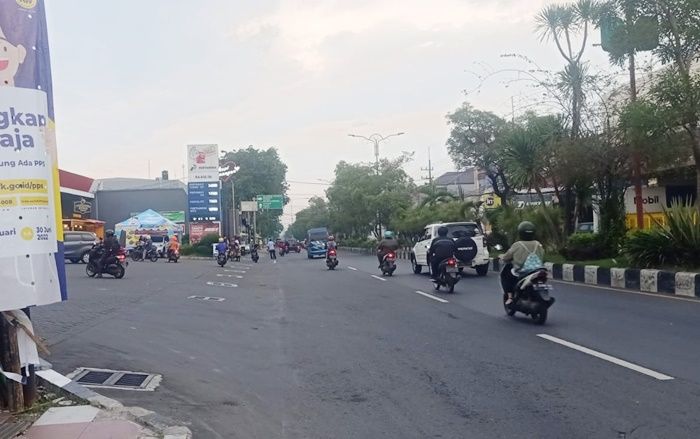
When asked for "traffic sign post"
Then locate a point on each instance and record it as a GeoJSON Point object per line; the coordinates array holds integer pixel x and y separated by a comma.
{"type": "Point", "coordinates": [270, 202]}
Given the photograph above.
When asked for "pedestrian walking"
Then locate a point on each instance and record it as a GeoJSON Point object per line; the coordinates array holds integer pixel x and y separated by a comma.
{"type": "Point", "coordinates": [271, 250]}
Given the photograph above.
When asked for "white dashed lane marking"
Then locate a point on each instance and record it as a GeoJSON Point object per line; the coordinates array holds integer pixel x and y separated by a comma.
{"type": "Point", "coordinates": [379, 278]}
{"type": "Point", "coordinates": [430, 296]}
{"type": "Point", "coordinates": [606, 357]}
{"type": "Point", "coordinates": [352, 268]}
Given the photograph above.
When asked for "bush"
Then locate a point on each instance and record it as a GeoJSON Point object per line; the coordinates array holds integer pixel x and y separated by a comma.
{"type": "Point", "coordinates": [586, 246]}
{"type": "Point", "coordinates": [547, 220]}
{"type": "Point", "coordinates": [190, 250]}
{"type": "Point", "coordinates": [676, 243]}
{"type": "Point", "coordinates": [358, 243]}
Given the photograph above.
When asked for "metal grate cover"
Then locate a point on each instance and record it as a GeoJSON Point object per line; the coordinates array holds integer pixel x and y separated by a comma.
{"type": "Point", "coordinates": [115, 379]}
{"type": "Point", "coordinates": [131, 379]}
{"type": "Point", "coordinates": [95, 377]}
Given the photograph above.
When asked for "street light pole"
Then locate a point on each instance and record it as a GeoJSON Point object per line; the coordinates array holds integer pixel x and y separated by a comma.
{"type": "Point", "coordinates": [376, 139]}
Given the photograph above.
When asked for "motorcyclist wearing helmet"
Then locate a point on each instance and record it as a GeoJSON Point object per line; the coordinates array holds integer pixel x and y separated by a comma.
{"type": "Point", "coordinates": [111, 247]}
{"type": "Point", "coordinates": [331, 244]}
{"type": "Point", "coordinates": [516, 256]}
{"type": "Point", "coordinates": [221, 247]}
{"type": "Point", "coordinates": [442, 247]}
{"type": "Point", "coordinates": [386, 245]}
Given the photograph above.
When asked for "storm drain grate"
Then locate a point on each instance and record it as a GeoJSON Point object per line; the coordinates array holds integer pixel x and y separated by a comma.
{"type": "Point", "coordinates": [131, 380]}
{"type": "Point", "coordinates": [115, 379]}
{"type": "Point", "coordinates": [95, 377]}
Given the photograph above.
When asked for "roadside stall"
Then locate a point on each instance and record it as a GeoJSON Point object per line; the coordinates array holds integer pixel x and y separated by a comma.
{"type": "Point", "coordinates": [149, 223]}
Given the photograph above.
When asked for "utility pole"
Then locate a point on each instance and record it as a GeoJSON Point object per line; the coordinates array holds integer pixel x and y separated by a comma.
{"type": "Point", "coordinates": [429, 169]}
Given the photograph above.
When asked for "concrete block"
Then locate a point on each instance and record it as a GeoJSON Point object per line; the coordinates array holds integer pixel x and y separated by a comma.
{"type": "Point", "coordinates": [591, 274]}
{"type": "Point", "coordinates": [686, 284]}
{"type": "Point", "coordinates": [617, 277]}
{"type": "Point", "coordinates": [550, 267]}
{"type": "Point", "coordinates": [632, 278]}
{"type": "Point", "coordinates": [666, 282]}
{"type": "Point", "coordinates": [568, 272]}
{"type": "Point", "coordinates": [603, 276]}
{"type": "Point", "coordinates": [579, 273]}
{"type": "Point", "coordinates": [649, 281]}
{"type": "Point", "coordinates": [557, 271]}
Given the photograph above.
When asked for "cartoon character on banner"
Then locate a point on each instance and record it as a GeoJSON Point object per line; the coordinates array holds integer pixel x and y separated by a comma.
{"type": "Point", "coordinates": [11, 57]}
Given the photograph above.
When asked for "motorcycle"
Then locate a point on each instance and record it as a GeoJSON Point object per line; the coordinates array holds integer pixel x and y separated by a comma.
{"type": "Point", "coordinates": [173, 255]}
{"type": "Point", "coordinates": [114, 266]}
{"type": "Point", "coordinates": [448, 275]}
{"type": "Point", "coordinates": [136, 253]}
{"type": "Point", "coordinates": [532, 295]}
{"type": "Point", "coordinates": [221, 259]}
{"type": "Point", "coordinates": [332, 259]}
{"type": "Point", "coordinates": [389, 264]}
{"type": "Point", "coordinates": [235, 254]}
{"type": "Point", "coordinates": [254, 255]}
{"type": "Point", "coordinates": [282, 250]}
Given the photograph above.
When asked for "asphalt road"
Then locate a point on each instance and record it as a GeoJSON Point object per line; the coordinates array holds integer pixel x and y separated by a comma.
{"type": "Point", "coordinates": [296, 351]}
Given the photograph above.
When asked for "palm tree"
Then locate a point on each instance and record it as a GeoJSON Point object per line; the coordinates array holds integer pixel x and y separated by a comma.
{"type": "Point", "coordinates": [525, 160]}
{"type": "Point", "coordinates": [561, 23]}
{"type": "Point", "coordinates": [434, 196]}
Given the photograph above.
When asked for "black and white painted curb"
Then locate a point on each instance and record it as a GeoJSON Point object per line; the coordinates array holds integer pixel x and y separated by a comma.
{"type": "Point", "coordinates": [648, 281]}
{"type": "Point", "coordinates": [61, 384]}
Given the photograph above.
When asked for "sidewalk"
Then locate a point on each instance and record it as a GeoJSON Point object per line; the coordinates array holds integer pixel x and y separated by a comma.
{"type": "Point", "coordinates": [84, 422]}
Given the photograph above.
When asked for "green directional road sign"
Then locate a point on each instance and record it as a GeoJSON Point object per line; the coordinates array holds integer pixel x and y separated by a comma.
{"type": "Point", "coordinates": [270, 202]}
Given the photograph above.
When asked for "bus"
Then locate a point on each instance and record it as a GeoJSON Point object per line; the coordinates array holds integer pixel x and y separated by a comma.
{"type": "Point", "coordinates": [316, 242]}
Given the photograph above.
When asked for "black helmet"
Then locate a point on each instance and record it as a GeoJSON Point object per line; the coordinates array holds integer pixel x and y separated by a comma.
{"type": "Point", "coordinates": [442, 232]}
{"type": "Point", "coordinates": [109, 233]}
{"type": "Point", "coordinates": [526, 231]}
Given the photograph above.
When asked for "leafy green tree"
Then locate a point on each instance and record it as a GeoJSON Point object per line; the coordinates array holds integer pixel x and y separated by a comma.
{"type": "Point", "coordinates": [261, 172]}
{"type": "Point", "coordinates": [474, 142]}
{"type": "Point", "coordinates": [316, 215]}
{"type": "Point", "coordinates": [677, 91]}
{"type": "Point", "coordinates": [362, 201]}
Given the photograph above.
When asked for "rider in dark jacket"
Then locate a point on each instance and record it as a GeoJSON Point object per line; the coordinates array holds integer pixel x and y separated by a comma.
{"type": "Point", "coordinates": [111, 247]}
{"type": "Point", "coordinates": [440, 249]}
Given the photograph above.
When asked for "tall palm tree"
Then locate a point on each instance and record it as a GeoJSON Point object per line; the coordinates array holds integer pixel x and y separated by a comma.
{"type": "Point", "coordinates": [561, 23]}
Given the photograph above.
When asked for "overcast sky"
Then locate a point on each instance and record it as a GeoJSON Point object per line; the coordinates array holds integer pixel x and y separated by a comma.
{"type": "Point", "coordinates": [136, 81]}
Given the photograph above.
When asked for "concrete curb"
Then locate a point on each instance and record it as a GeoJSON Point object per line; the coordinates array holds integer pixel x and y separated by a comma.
{"type": "Point", "coordinates": [61, 384]}
{"type": "Point", "coordinates": [648, 281]}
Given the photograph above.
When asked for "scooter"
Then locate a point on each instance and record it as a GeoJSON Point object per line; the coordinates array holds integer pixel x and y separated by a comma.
{"type": "Point", "coordinates": [113, 266]}
{"type": "Point", "coordinates": [532, 295]}
{"type": "Point", "coordinates": [173, 255]}
{"type": "Point", "coordinates": [389, 264]}
{"type": "Point", "coordinates": [332, 259]}
{"type": "Point", "coordinates": [221, 259]}
{"type": "Point", "coordinates": [448, 275]}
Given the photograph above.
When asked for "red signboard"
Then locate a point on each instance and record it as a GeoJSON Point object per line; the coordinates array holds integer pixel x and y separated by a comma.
{"type": "Point", "coordinates": [200, 230]}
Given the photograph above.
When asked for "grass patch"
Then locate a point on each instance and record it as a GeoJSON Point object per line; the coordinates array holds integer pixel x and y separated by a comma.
{"type": "Point", "coordinates": [617, 262]}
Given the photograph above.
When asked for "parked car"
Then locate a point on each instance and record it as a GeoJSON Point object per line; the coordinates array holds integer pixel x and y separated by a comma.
{"type": "Point", "coordinates": [78, 245]}
{"type": "Point", "coordinates": [471, 248]}
{"type": "Point", "coordinates": [585, 228]}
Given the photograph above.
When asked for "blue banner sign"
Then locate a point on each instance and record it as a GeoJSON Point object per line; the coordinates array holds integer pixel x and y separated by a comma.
{"type": "Point", "coordinates": [204, 199]}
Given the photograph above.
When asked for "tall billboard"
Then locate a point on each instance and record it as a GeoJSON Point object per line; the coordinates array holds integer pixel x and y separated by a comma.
{"type": "Point", "coordinates": [32, 267]}
{"type": "Point", "coordinates": [202, 163]}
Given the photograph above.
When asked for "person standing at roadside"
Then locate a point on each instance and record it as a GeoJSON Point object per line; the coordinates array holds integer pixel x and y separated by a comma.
{"type": "Point", "coordinates": [271, 250]}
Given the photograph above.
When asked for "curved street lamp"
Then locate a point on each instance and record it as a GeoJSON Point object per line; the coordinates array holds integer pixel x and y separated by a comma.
{"type": "Point", "coordinates": [376, 139]}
